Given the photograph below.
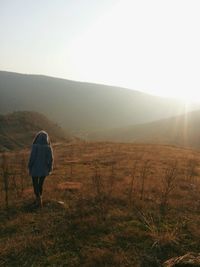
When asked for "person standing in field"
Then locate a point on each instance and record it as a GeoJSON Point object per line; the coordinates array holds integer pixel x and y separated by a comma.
{"type": "Point", "coordinates": [40, 163]}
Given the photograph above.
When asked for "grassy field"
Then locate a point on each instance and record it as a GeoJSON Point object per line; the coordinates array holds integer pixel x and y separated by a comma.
{"type": "Point", "coordinates": [105, 204]}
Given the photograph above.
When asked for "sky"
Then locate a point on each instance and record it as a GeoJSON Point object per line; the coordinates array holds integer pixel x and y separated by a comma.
{"type": "Point", "coordinates": [150, 46]}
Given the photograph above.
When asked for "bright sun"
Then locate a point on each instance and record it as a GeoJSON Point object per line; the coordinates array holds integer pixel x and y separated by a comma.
{"type": "Point", "coordinates": [135, 46]}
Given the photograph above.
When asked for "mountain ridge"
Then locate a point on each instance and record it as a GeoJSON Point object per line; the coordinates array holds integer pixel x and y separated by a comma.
{"type": "Point", "coordinates": [82, 107]}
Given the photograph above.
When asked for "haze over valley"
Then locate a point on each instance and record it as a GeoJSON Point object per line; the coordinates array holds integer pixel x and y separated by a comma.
{"type": "Point", "coordinates": [82, 108]}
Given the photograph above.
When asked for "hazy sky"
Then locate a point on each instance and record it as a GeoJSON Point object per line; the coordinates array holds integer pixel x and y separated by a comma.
{"type": "Point", "coordinates": [148, 45]}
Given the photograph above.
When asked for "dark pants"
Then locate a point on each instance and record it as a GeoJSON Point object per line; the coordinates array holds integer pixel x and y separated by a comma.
{"type": "Point", "coordinates": [37, 185]}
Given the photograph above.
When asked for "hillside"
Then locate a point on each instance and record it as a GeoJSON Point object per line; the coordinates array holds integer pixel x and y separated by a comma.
{"type": "Point", "coordinates": [82, 107]}
{"type": "Point", "coordinates": [18, 129]}
{"type": "Point", "coordinates": [135, 205]}
{"type": "Point", "coordinates": [182, 130]}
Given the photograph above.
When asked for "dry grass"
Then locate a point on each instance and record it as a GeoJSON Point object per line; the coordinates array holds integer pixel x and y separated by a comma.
{"type": "Point", "coordinates": [102, 207]}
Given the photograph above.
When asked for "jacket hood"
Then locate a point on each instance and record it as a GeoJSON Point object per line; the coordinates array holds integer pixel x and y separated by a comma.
{"type": "Point", "coordinates": [41, 138]}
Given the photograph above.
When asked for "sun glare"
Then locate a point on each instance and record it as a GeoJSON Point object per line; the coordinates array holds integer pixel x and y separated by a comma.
{"type": "Point", "coordinates": [183, 96]}
{"type": "Point", "coordinates": [141, 52]}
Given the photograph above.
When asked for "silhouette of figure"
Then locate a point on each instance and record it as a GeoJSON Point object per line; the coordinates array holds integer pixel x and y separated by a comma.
{"type": "Point", "coordinates": [40, 163]}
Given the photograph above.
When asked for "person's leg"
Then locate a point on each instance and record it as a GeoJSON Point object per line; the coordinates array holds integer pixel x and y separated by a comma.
{"type": "Point", "coordinates": [35, 181]}
{"type": "Point", "coordinates": [41, 182]}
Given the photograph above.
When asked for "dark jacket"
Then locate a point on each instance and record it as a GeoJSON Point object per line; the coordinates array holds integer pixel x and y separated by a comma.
{"type": "Point", "coordinates": [41, 157]}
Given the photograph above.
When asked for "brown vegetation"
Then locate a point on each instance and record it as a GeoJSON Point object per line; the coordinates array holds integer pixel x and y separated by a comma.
{"type": "Point", "coordinates": [104, 205]}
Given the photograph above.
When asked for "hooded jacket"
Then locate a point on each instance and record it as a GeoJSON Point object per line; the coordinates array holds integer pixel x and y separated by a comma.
{"type": "Point", "coordinates": [41, 157]}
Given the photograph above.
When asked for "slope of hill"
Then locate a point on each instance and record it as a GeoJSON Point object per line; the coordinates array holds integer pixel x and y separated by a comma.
{"type": "Point", "coordinates": [82, 107]}
{"type": "Point", "coordinates": [19, 128]}
{"type": "Point", "coordinates": [182, 130]}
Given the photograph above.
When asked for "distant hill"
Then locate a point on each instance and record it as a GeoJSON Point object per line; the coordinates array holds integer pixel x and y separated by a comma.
{"type": "Point", "coordinates": [18, 129]}
{"type": "Point", "coordinates": [82, 107]}
{"type": "Point", "coordinates": [182, 130]}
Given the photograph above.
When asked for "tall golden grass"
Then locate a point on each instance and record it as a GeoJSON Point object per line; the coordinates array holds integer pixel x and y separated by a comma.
{"type": "Point", "coordinates": [105, 204]}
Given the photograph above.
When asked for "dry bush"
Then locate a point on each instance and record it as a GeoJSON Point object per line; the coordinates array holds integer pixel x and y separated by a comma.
{"type": "Point", "coordinates": [144, 172]}
{"type": "Point", "coordinates": [5, 178]}
{"type": "Point", "coordinates": [99, 192]}
{"type": "Point", "coordinates": [169, 180]}
{"type": "Point", "coordinates": [97, 182]}
{"type": "Point", "coordinates": [14, 175]}
{"type": "Point", "coordinates": [23, 172]}
{"type": "Point", "coordinates": [111, 178]}
{"type": "Point", "coordinates": [191, 170]}
{"type": "Point", "coordinates": [161, 233]}
{"type": "Point", "coordinates": [133, 177]}
{"type": "Point", "coordinates": [103, 184]}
